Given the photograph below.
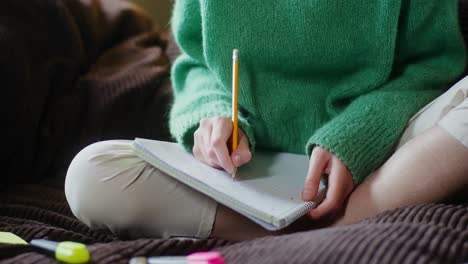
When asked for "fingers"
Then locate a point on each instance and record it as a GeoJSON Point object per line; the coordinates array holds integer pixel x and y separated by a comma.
{"type": "Point", "coordinates": [318, 163]}
{"type": "Point", "coordinates": [334, 196]}
{"type": "Point", "coordinates": [242, 155]}
{"type": "Point", "coordinates": [339, 186]}
{"type": "Point", "coordinates": [210, 144]}
{"type": "Point", "coordinates": [201, 137]}
{"type": "Point", "coordinates": [218, 150]}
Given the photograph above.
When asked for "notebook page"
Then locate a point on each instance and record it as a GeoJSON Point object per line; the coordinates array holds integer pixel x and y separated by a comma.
{"type": "Point", "coordinates": [271, 184]}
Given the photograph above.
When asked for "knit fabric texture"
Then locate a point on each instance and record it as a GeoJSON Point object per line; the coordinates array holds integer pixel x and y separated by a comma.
{"type": "Point", "coordinates": [344, 75]}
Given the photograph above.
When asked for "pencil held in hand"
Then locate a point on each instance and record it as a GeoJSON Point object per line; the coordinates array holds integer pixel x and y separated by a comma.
{"type": "Point", "coordinates": [235, 89]}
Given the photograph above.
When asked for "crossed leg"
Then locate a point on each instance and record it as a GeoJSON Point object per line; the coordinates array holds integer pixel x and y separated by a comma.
{"type": "Point", "coordinates": [108, 185]}
{"type": "Point", "coordinates": [115, 189]}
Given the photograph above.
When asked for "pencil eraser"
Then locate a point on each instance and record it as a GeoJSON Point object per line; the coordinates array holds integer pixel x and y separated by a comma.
{"type": "Point", "coordinates": [235, 54]}
{"type": "Point", "coordinates": [205, 258]}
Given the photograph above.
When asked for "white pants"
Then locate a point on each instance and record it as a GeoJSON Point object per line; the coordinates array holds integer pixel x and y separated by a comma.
{"type": "Point", "coordinates": [107, 185]}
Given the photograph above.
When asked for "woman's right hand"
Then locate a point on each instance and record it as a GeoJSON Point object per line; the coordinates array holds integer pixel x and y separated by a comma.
{"type": "Point", "coordinates": [211, 144]}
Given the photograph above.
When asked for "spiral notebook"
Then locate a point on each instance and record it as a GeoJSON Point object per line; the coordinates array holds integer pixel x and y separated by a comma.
{"type": "Point", "coordinates": [267, 190]}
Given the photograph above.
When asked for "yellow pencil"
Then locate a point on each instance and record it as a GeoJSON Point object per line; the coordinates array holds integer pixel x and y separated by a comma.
{"type": "Point", "coordinates": [235, 89]}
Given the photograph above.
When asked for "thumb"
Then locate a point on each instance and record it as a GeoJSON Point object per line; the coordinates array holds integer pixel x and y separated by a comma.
{"type": "Point", "coordinates": [242, 155]}
{"type": "Point", "coordinates": [317, 165]}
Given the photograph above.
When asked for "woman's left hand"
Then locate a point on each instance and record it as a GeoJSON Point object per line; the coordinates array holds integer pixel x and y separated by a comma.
{"type": "Point", "coordinates": [340, 182]}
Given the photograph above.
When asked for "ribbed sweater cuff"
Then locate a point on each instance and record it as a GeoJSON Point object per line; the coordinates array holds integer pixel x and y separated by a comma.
{"type": "Point", "coordinates": [184, 126]}
{"type": "Point", "coordinates": [361, 154]}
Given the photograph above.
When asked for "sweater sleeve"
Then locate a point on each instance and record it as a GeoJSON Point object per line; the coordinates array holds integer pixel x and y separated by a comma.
{"type": "Point", "coordinates": [429, 55]}
{"type": "Point", "coordinates": [197, 93]}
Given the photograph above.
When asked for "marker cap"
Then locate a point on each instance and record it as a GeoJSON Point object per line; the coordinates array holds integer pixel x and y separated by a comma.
{"type": "Point", "coordinates": [205, 258]}
{"type": "Point", "coordinates": [72, 252]}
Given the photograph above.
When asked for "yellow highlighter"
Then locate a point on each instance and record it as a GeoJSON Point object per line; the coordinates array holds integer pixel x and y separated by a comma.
{"type": "Point", "coordinates": [67, 252]}
{"type": "Point", "coordinates": [235, 91]}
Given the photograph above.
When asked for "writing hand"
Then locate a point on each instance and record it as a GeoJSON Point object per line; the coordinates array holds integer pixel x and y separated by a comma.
{"type": "Point", "coordinates": [211, 144]}
{"type": "Point", "coordinates": [340, 182]}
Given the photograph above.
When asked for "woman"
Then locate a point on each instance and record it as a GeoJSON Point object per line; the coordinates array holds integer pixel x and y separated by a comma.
{"type": "Point", "coordinates": [334, 80]}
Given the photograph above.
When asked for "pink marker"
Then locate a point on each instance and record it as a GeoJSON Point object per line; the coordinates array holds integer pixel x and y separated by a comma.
{"type": "Point", "coordinates": [195, 258]}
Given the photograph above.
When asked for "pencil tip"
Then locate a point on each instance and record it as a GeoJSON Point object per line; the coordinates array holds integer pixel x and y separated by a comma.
{"type": "Point", "coordinates": [234, 173]}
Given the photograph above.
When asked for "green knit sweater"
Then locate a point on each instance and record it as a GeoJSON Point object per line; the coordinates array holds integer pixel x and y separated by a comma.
{"type": "Point", "coordinates": [345, 75]}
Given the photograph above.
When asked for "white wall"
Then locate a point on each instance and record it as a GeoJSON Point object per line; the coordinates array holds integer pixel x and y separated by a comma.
{"type": "Point", "coordinates": [160, 10]}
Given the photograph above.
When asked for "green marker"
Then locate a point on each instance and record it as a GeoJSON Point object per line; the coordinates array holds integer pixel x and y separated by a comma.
{"type": "Point", "coordinates": [68, 252]}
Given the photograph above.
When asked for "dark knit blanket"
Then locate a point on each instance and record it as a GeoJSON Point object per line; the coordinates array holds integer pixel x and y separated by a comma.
{"type": "Point", "coordinates": [73, 72]}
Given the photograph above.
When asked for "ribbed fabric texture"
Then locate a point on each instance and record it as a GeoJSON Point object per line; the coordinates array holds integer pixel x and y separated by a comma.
{"type": "Point", "coordinates": [424, 234]}
{"type": "Point", "coordinates": [345, 75]}
{"type": "Point", "coordinates": [434, 233]}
